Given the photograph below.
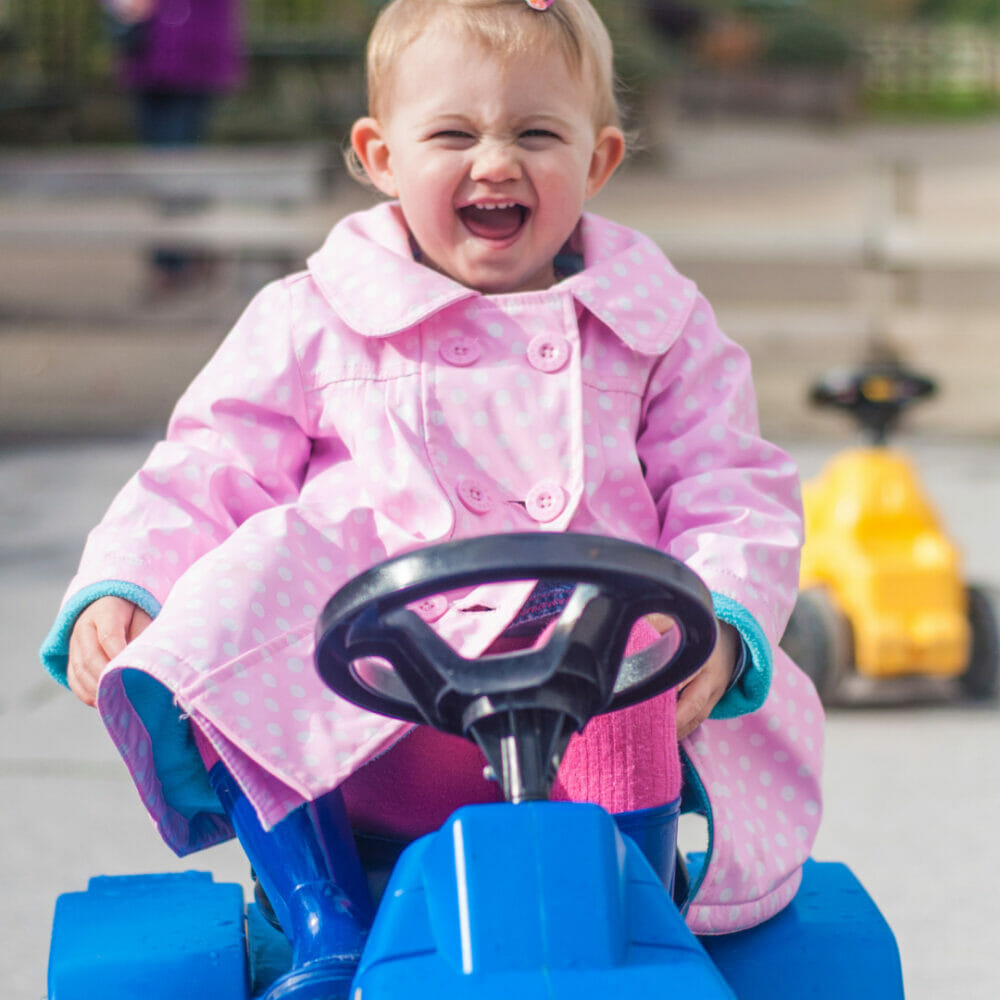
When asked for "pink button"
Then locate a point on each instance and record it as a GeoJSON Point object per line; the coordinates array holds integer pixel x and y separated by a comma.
{"type": "Point", "coordinates": [431, 608]}
{"type": "Point", "coordinates": [461, 351]}
{"type": "Point", "coordinates": [474, 496]}
{"type": "Point", "coordinates": [546, 501]}
{"type": "Point", "coordinates": [548, 352]}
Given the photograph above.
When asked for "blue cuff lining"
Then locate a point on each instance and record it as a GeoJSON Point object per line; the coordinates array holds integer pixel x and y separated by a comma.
{"type": "Point", "coordinates": [55, 647]}
{"type": "Point", "coordinates": [752, 688]}
{"type": "Point", "coordinates": [179, 767]}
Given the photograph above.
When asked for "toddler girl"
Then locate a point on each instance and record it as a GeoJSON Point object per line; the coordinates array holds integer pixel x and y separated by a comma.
{"type": "Point", "coordinates": [475, 355]}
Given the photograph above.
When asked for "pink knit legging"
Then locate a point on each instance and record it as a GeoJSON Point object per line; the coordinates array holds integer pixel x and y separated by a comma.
{"type": "Point", "coordinates": [622, 761]}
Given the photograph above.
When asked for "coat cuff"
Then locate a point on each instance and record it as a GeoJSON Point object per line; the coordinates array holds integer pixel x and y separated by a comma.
{"type": "Point", "coordinates": [751, 688]}
{"type": "Point", "coordinates": [55, 647]}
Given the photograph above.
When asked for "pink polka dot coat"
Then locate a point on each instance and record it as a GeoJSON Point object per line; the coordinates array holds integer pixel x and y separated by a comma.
{"type": "Point", "coordinates": [370, 405]}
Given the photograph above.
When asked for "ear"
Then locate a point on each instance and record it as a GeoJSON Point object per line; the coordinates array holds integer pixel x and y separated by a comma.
{"type": "Point", "coordinates": [372, 150]}
{"type": "Point", "coordinates": [609, 151]}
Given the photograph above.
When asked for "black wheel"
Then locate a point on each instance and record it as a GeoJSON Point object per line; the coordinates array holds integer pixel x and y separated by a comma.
{"type": "Point", "coordinates": [981, 679]}
{"type": "Point", "coordinates": [819, 639]}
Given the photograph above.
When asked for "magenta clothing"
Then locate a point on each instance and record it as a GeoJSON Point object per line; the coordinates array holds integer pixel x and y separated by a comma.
{"type": "Point", "coordinates": [370, 405]}
{"type": "Point", "coordinates": [188, 46]}
{"type": "Point", "coordinates": [624, 760]}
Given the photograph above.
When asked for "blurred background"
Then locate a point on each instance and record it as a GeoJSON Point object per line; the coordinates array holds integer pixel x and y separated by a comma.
{"type": "Point", "coordinates": [824, 169]}
{"type": "Point", "coordinates": [828, 59]}
{"type": "Point", "coordinates": [827, 171]}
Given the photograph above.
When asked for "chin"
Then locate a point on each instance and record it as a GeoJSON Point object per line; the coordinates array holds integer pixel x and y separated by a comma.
{"type": "Point", "coordinates": [505, 284]}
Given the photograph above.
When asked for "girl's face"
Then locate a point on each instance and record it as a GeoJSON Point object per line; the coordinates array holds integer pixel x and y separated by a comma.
{"type": "Point", "coordinates": [491, 161]}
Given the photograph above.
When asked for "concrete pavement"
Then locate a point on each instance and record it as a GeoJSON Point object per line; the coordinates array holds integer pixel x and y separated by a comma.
{"type": "Point", "coordinates": [910, 804]}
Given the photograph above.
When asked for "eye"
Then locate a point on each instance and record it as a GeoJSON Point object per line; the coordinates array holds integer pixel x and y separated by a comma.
{"type": "Point", "coordinates": [453, 137]}
{"type": "Point", "coordinates": [538, 137]}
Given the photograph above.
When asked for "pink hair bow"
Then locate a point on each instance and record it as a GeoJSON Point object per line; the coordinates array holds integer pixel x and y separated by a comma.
{"type": "Point", "coordinates": [539, 4]}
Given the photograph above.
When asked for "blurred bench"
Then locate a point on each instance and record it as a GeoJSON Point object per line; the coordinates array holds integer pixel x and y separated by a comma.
{"type": "Point", "coordinates": [247, 205]}
{"type": "Point", "coordinates": [275, 176]}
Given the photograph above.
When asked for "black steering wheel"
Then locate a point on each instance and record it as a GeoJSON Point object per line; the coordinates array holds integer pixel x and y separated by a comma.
{"type": "Point", "coordinates": [377, 653]}
{"type": "Point", "coordinates": [876, 395]}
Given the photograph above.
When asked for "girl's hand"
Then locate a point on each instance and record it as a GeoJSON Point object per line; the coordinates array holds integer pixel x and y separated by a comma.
{"type": "Point", "coordinates": [104, 629]}
{"type": "Point", "coordinates": [701, 692]}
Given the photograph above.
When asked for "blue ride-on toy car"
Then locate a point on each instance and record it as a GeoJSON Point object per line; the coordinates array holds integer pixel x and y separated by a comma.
{"type": "Point", "coordinates": [528, 898]}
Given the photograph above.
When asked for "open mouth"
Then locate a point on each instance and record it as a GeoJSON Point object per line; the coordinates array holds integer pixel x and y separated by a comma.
{"type": "Point", "coordinates": [500, 221]}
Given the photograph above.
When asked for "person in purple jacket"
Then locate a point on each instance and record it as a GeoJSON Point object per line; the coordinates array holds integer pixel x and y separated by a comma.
{"type": "Point", "coordinates": [176, 57]}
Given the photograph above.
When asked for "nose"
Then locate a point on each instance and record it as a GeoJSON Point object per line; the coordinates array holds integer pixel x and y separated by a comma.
{"type": "Point", "coordinates": [496, 161]}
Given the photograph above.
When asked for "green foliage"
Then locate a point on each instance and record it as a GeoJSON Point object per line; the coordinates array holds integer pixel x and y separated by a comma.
{"type": "Point", "coordinates": [801, 35]}
{"type": "Point", "coordinates": [349, 18]}
{"type": "Point", "coordinates": [941, 104]}
{"type": "Point", "coordinates": [640, 54]}
{"type": "Point", "coordinates": [59, 47]}
{"type": "Point", "coordinates": [986, 12]}
{"type": "Point", "coordinates": [802, 39]}
{"type": "Point", "coordinates": [840, 12]}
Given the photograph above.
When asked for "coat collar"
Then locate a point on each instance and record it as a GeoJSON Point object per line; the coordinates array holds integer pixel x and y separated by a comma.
{"type": "Point", "coordinates": [367, 273]}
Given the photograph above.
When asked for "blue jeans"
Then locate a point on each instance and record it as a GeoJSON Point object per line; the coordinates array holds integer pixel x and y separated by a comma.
{"type": "Point", "coordinates": [165, 119]}
{"type": "Point", "coordinates": [172, 119]}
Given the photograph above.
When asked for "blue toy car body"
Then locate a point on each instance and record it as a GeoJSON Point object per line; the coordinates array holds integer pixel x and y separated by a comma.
{"type": "Point", "coordinates": [180, 936]}
{"type": "Point", "coordinates": [530, 898]}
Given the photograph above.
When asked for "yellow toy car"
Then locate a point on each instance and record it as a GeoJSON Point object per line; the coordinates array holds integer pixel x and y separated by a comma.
{"type": "Point", "coordinates": [881, 591]}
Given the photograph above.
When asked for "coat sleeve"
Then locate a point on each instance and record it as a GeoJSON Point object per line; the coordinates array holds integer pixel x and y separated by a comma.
{"type": "Point", "coordinates": [236, 444]}
{"type": "Point", "coordinates": [729, 502]}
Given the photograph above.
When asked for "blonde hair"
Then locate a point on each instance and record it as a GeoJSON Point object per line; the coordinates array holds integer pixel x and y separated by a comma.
{"type": "Point", "coordinates": [506, 28]}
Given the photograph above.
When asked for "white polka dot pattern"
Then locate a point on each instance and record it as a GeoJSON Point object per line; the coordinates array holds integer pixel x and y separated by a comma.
{"type": "Point", "coordinates": [371, 405]}
{"type": "Point", "coordinates": [762, 775]}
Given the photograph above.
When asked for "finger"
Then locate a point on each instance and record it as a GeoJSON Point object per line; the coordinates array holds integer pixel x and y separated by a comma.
{"type": "Point", "coordinates": [86, 662]}
{"type": "Point", "coordinates": [87, 651]}
{"type": "Point", "coordinates": [112, 626]}
{"type": "Point", "coordinates": [693, 705]}
{"type": "Point", "coordinates": [82, 685]}
{"type": "Point", "coordinates": [112, 638]}
{"type": "Point", "coordinates": [662, 623]}
{"type": "Point", "coordinates": [688, 680]}
{"type": "Point", "coordinates": [81, 681]}
{"type": "Point", "coordinates": [139, 623]}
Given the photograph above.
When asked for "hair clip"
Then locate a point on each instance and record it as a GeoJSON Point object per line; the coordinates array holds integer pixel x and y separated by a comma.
{"type": "Point", "coordinates": [539, 4]}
